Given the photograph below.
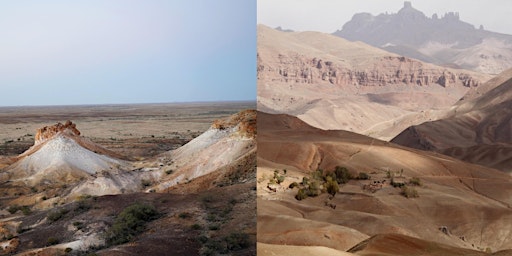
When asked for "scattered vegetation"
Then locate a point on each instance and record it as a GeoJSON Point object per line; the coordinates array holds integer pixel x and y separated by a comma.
{"type": "Point", "coordinates": [409, 192]}
{"type": "Point", "coordinates": [277, 179]}
{"type": "Point", "coordinates": [415, 181]}
{"type": "Point", "coordinates": [331, 186]}
{"type": "Point", "coordinates": [130, 222]}
{"type": "Point", "coordinates": [78, 225]}
{"type": "Point", "coordinates": [25, 209]}
{"type": "Point", "coordinates": [196, 227]}
{"type": "Point", "coordinates": [363, 176]}
{"type": "Point", "coordinates": [224, 245]}
{"type": "Point", "coordinates": [52, 241]}
{"type": "Point", "coordinates": [54, 216]}
{"type": "Point", "coordinates": [145, 183]}
{"type": "Point", "coordinates": [320, 182]}
{"type": "Point", "coordinates": [184, 215]}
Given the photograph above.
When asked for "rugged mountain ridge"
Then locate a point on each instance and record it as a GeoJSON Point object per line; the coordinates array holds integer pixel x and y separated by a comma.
{"type": "Point", "coordinates": [444, 40]}
{"type": "Point", "coordinates": [322, 79]}
{"type": "Point", "coordinates": [338, 66]}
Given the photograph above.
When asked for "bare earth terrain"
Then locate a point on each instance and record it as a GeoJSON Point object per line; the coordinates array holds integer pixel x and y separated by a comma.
{"type": "Point", "coordinates": [405, 201]}
{"type": "Point", "coordinates": [332, 83]}
{"type": "Point", "coordinates": [158, 179]}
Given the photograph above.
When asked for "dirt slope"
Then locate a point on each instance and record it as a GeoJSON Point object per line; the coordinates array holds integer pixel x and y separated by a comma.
{"type": "Point", "coordinates": [448, 189]}
{"type": "Point", "coordinates": [67, 190]}
{"type": "Point", "coordinates": [478, 129]}
{"type": "Point", "coordinates": [332, 83]}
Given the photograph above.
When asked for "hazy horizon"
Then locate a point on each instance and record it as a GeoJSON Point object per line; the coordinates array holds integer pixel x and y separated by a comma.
{"type": "Point", "coordinates": [116, 52]}
{"type": "Point", "coordinates": [330, 15]}
{"type": "Point", "coordinates": [131, 103]}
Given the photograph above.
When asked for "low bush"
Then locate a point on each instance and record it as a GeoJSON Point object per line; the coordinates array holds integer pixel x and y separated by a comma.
{"type": "Point", "coordinates": [332, 186]}
{"type": "Point", "coordinates": [342, 174]}
{"type": "Point", "coordinates": [301, 194]}
{"type": "Point", "coordinates": [196, 227]}
{"type": "Point", "coordinates": [363, 176]}
{"type": "Point", "coordinates": [294, 184]}
{"type": "Point", "coordinates": [409, 192]}
{"type": "Point", "coordinates": [415, 181]}
{"type": "Point", "coordinates": [52, 241]}
{"type": "Point", "coordinates": [130, 222]}
{"type": "Point", "coordinates": [237, 241]}
{"type": "Point", "coordinates": [56, 215]}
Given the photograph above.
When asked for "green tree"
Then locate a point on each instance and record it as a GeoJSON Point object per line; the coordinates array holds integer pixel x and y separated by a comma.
{"type": "Point", "coordinates": [332, 186]}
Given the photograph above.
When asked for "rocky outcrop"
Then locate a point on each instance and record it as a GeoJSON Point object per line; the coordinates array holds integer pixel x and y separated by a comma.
{"type": "Point", "coordinates": [244, 122]}
{"type": "Point", "coordinates": [444, 40]}
{"type": "Point", "coordinates": [387, 70]}
{"type": "Point", "coordinates": [48, 132]}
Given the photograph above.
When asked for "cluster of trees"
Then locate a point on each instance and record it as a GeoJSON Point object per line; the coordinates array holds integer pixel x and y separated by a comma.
{"type": "Point", "coordinates": [321, 182]}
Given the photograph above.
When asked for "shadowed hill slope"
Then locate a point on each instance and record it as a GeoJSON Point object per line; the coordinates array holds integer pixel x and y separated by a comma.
{"type": "Point", "coordinates": [477, 130]}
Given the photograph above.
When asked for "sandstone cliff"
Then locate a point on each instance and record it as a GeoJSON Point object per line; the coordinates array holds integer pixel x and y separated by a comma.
{"type": "Point", "coordinates": [332, 83]}
{"type": "Point", "coordinates": [385, 70]}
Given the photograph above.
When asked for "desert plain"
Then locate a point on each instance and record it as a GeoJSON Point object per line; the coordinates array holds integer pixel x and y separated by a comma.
{"type": "Point", "coordinates": [174, 179]}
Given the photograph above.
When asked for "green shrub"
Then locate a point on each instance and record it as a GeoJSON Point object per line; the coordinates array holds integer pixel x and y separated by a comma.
{"type": "Point", "coordinates": [293, 185]}
{"type": "Point", "coordinates": [277, 178]}
{"type": "Point", "coordinates": [145, 183]}
{"type": "Point", "coordinates": [415, 181]}
{"type": "Point", "coordinates": [78, 225]}
{"type": "Point", "coordinates": [13, 209]}
{"type": "Point", "coordinates": [214, 227]}
{"type": "Point", "coordinates": [237, 241]}
{"type": "Point", "coordinates": [202, 239]}
{"type": "Point", "coordinates": [332, 186]}
{"type": "Point", "coordinates": [314, 189]}
{"type": "Point", "coordinates": [301, 194]}
{"type": "Point", "coordinates": [130, 222]}
{"type": "Point", "coordinates": [196, 227]}
{"type": "Point", "coordinates": [82, 206]}
{"type": "Point", "coordinates": [52, 241]}
{"type": "Point", "coordinates": [342, 174]}
{"type": "Point", "coordinates": [363, 176]}
{"type": "Point", "coordinates": [184, 215]}
{"type": "Point", "coordinates": [409, 192]}
{"type": "Point", "coordinates": [56, 215]}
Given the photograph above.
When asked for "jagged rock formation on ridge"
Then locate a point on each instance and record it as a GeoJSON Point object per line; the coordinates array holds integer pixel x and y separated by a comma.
{"type": "Point", "coordinates": [444, 40]}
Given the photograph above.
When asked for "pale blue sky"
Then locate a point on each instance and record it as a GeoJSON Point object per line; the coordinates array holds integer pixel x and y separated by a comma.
{"type": "Point", "coordinates": [330, 15]}
{"type": "Point", "coordinates": [59, 52]}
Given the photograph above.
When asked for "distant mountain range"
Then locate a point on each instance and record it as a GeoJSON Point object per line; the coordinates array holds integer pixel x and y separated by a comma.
{"type": "Point", "coordinates": [444, 40]}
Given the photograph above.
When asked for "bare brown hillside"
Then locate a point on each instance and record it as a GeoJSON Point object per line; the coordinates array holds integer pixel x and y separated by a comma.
{"type": "Point", "coordinates": [332, 83]}
{"type": "Point", "coordinates": [477, 130]}
{"type": "Point", "coordinates": [459, 208]}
